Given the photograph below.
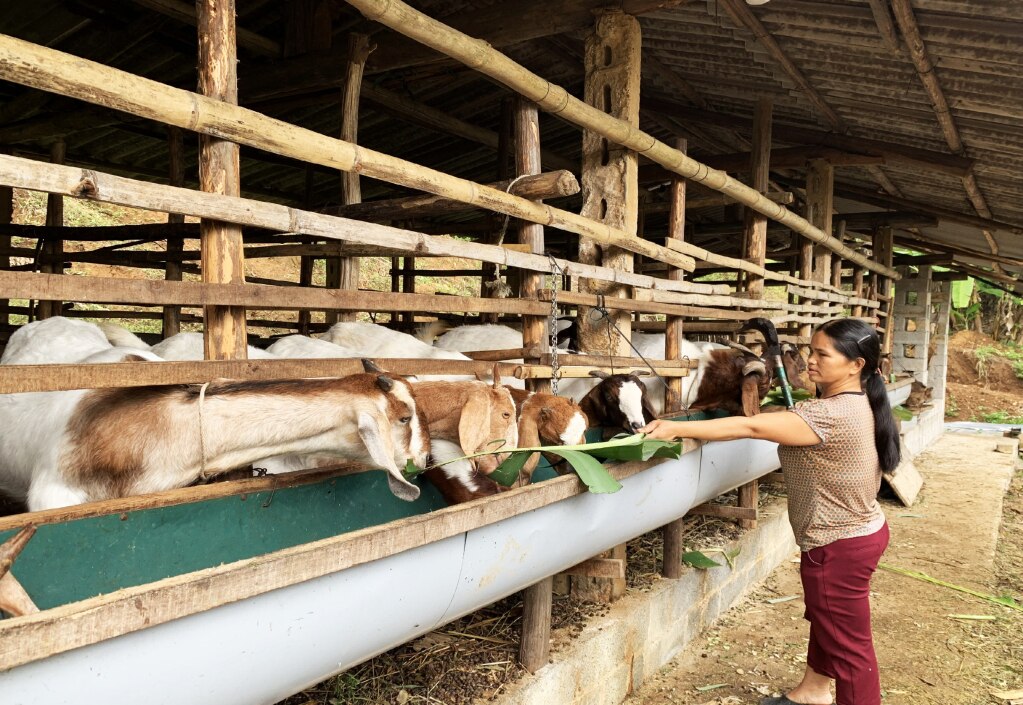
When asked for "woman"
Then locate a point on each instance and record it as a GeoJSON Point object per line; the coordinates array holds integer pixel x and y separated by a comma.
{"type": "Point", "coordinates": [832, 451]}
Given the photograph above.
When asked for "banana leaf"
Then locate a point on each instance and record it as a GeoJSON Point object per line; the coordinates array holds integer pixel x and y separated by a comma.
{"type": "Point", "coordinates": [584, 459]}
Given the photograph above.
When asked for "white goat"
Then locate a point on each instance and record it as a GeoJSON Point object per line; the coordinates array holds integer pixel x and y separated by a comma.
{"type": "Point", "coordinates": [119, 336]}
{"type": "Point", "coordinates": [64, 448]}
{"type": "Point", "coordinates": [54, 340]}
{"type": "Point", "coordinates": [189, 346]}
{"type": "Point", "coordinates": [302, 346]}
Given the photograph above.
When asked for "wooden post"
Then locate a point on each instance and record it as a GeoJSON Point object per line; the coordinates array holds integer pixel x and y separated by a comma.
{"type": "Point", "coordinates": [53, 248]}
{"type": "Point", "coordinates": [343, 272]}
{"type": "Point", "coordinates": [408, 286]}
{"type": "Point", "coordinates": [836, 259]}
{"type": "Point", "coordinates": [610, 188]}
{"type": "Point", "coordinates": [223, 261]}
{"type": "Point", "coordinates": [307, 263]}
{"type": "Point", "coordinates": [505, 168]}
{"type": "Point", "coordinates": [610, 172]}
{"type": "Point", "coordinates": [175, 245]}
{"type": "Point", "coordinates": [820, 187]}
{"type": "Point", "coordinates": [673, 328]}
{"type": "Point", "coordinates": [537, 598]}
{"type": "Point", "coordinates": [755, 224]}
{"type": "Point", "coordinates": [857, 272]}
{"type": "Point", "coordinates": [671, 559]}
{"type": "Point", "coordinates": [6, 218]}
{"type": "Point", "coordinates": [883, 252]}
{"type": "Point", "coordinates": [535, 647]}
{"type": "Point", "coordinates": [527, 161]}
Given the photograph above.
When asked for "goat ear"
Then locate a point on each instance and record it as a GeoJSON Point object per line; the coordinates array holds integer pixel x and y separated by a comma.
{"type": "Point", "coordinates": [751, 395]}
{"type": "Point", "coordinates": [529, 437]}
{"type": "Point", "coordinates": [385, 383]}
{"type": "Point", "coordinates": [374, 432]}
{"type": "Point", "coordinates": [639, 373]}
{"type": "Point", "coordinates": [600, 374]}
{"type": "Point", "coordinates": [497, 376]}
{"type": "Point", "coordinates": [474, 422]}
{"type": "Point", "coordinates": [370, 366]}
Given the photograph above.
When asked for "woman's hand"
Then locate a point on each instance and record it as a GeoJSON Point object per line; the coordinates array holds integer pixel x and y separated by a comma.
{"type": "Point", "coordinates": [661, 430]}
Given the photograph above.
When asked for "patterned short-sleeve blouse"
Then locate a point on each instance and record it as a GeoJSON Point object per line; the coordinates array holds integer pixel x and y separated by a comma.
{"type": "Point", "coordinates": [832, 486]}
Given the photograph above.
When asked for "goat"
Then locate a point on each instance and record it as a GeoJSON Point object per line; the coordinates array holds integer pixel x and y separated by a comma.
{"type": "Point", "coordinates": [618, 401]}
{"type": "Point", "coordinates": [302, 346]}
{"type": "Point", "coordinates": [54, 340]}
{"type": "Point", "coordinates": [476, 415]}
{"type": "Point", "coordinates": [546, 420]}
{"type": "Point", "coordinates": [543, 419]}
{"type": "Point", "coordinates": [64, 448]}
{"type": "Point", "coordinates": [121, 337]}
{"type": "Point", "coordinates": [189, 346]}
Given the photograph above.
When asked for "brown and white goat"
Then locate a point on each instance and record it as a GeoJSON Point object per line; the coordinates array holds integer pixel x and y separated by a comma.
{"type": "Point", "coordinates": [543, 419]}
{"type": "Point", "coordinates": [547, 420]}
{"type": "Point", "coordinates": [618, 401]}
{"type": "Point", "coordinates": [65, 448]}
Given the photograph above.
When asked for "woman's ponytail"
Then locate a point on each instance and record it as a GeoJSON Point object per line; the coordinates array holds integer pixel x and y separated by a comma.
{"type": "Point", "coordinates": [855, 339]}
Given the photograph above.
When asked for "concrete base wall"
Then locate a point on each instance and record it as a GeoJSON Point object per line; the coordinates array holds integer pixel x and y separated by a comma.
{"type": "Point", "coordinates": [616, 653]}
{"type": "Point", "coordinates": [927, 427]}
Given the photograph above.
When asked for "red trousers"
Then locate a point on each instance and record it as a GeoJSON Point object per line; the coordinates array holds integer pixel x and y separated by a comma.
{"type": "Point", "coordinates": [836, 587]}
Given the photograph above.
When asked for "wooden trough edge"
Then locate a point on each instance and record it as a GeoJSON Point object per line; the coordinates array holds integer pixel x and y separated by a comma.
{"type": "Point", "coordinates": [34, 637]}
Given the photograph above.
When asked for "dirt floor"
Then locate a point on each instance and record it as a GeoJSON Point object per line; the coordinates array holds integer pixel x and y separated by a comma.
{"type": "Point", "coordinates": [931, 646]}
{"type": "Point", "coordinates": [982, 382]}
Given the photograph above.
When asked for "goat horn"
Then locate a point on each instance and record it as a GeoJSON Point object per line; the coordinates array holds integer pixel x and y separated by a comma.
{"type": "Point", "coordinates": [754, 367]}
{"type": "Point", "coordinates": [385, 383]}
{"type": "Point", "coordinates": [370, 366]}
{"type": "Point", "coordinates": [599, 373]}
{"type": "Point", "coordinates": [741, 348]}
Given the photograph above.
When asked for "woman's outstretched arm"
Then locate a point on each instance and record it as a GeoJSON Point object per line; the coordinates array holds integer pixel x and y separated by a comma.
{"type": "Point", "coordinates": [787, 429]}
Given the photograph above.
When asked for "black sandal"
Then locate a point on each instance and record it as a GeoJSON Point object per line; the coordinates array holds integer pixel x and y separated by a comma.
{"type": "Point", "coordinates": [783, 700]}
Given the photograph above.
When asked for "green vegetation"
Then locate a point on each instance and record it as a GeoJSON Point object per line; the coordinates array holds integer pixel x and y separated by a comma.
{"type": "Point", "coordinates": [1001, 417]}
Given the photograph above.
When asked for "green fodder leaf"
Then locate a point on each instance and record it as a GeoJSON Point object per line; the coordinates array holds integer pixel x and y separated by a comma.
{"type": "Point", "coordinates": [902, 413]}
{"type": "Point", "coordinates": [635, 447]}
{"type": "Point", "coordinates": [712, 686]}
{"type": "Point", "coordinates": [508, 472]}
{"type": "Point", "coordinates": [594, 475]}
{"type": "Point", "coordinates": [730, 556]}
{"type": "Point", "coordinates": [411, 470]}
{"type": "Point", "coordinates": [698, 559]}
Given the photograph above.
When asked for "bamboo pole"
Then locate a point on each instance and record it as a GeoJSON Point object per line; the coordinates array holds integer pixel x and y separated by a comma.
{"type": "Point", "coordinates": [106, 188]}
{"type": "Point", "coordinates": [46, 69]}
{"type": "Point", "coordinates": [175, 245]}
{"type": "Point", "coordinates": [224, 334]}
{"type": "Point", "coordinates": [53, 247]}
{"type": "Point", "coordinates": [550, 184]}
{"type": "Point", "coordinates": [481, 56]}
{"type": "Point", "coordinates": [673, 328]}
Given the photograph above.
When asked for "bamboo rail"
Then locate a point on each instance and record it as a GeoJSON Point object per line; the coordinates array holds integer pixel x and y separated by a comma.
{"type": "Point", "coordinates": [482, 57]}
{"type": "Point", "coordinates": [98, 186]}
{"type": "Point", "coordinates": [46, 69]}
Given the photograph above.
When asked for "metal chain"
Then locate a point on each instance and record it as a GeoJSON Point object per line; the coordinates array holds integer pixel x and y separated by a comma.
{"type": "Point", "coordinates": [554, 281]}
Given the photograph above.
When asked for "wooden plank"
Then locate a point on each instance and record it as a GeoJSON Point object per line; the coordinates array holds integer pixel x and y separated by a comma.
{"type": "Point", "coordinates": [224, 333]}
{"type": "Point", "coordinates": [34, 637]}
{"type": "Point", "coordinates": [905, 481]}
{"type": "Point", "coordinates": [75, 77]}
{"type": "Point", "coordinates": [37, 176]}
{"type": "Point", "coordinates": [186, 293]}
{"type": "Point", "coordinates": [45, 378]}
{"type": "Point", "coordinates": [747, 499]}
{"type": "Point", "coordinates": [583, 371]}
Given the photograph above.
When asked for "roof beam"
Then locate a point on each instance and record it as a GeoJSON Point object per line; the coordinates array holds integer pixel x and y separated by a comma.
{"type": "Point", "coordinates": [742, 16]}
{"type": "Point", "coordinates": [893, 153]}
{"type": "Point", "coordinates": [780, 159]}
{"type": "Point", "coordinates": [185, 13]}
{"type": "Point", "coordinates": [501, 24]}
